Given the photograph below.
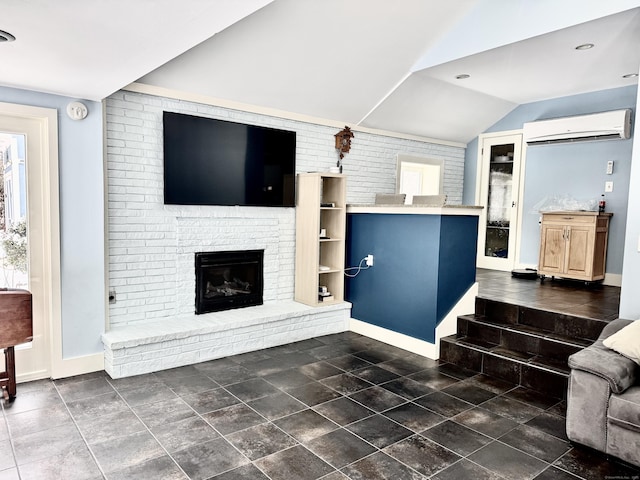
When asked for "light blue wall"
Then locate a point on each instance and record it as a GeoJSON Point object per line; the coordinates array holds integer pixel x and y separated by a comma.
{"type": "Point", "coordinates": [575, 169]}
{"type": "Point", "coordinates": [81, 220]}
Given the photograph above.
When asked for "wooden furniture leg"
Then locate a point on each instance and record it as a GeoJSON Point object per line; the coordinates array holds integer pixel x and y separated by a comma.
{"type": "Point", "coordinates": [10, 365]}
{"type": "Point", "coordinates": [8, 377]}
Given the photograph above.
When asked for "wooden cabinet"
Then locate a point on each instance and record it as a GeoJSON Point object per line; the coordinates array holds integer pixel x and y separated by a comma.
{"type": "Point", "coordinates": [574, 245]}
{"type": "Point", "coordinates": [320, 207]}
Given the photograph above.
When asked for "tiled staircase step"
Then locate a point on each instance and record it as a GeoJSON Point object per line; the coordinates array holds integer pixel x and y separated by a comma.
{"type": "Point", "coordinates": [499, 312]}
{"type": "Point", "coordinates": [512, 354]}
{"type": "Point", "coordinates": [551, 364]}
{"type": "Point", "coordinates": [571, 326]}
{"type": "Point", "coordinates": [477, 342]}
{"type": "Point", "coordinates": [488, 323]}
{"type": "Point", "coordinates": [576, 341]}
{"type": "Point", "coordinates": [531, 371]}
{"type": "Point", "coordinates": [521, 338]}
{"type": "Point", "coordinates": [520, 344]}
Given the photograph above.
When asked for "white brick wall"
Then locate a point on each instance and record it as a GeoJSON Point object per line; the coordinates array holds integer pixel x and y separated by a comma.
{"type": "Point", "coordinates": [159, 345]}
{"type": "Point", "coordinates": [151, 245]}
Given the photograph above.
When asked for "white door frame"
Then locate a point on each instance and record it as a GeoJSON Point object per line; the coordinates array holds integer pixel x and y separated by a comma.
{"type": "Point", "coordinates": [45, 207]}
{"type": "Point", "coordinates": [516, 226]}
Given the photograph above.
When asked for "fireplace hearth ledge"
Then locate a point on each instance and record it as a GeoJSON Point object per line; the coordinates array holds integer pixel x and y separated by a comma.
{"type": "Point", "coordinates": [159, 345]}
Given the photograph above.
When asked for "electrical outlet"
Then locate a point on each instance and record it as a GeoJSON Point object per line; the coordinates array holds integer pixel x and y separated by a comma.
{"type": "Point", "coordinates": [369, 260]}
{"type": "Point", "coordinates": [608, 187]}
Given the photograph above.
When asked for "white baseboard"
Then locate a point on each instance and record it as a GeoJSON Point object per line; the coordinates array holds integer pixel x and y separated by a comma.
{"type": "Point", "coordinates": [400, 340]}
{"type": "Point", "coordinates": [69, 367]}
{"type": "Point", "coordinates": [612, 279]}
{"type": "Point", "coordinates": [445, 328]}
{"type": "Point", "coordinates": [31, 376]}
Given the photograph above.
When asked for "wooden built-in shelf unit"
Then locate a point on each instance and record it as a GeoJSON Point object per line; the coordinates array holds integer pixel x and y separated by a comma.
{"type": "Point", "coordinates": [320, 205]}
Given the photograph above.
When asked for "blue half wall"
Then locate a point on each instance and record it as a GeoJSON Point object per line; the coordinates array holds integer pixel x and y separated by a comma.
{"type": "Point", "coordinates": [423, 264]}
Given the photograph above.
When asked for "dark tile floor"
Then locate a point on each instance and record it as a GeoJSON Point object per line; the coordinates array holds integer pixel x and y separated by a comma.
{"type": "Point", "coordinates": [597, 301]}
{"type": "Point", "coordinates": [339, 406]}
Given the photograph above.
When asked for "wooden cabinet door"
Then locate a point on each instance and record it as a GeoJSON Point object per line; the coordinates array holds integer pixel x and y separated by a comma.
{"type": "Point", "coordinates": [578, 260]}
{"type": "Point", "coordinates": [552, 248]}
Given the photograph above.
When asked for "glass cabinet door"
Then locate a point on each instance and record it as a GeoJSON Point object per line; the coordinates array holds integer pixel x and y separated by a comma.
{"type": "Point", "coordinates": [499, 201]}
{"type": "Point", "coordinates": [498, 194]}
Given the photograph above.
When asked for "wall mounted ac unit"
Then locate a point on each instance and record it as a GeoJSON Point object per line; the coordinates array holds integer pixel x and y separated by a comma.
{"type": "Point", "coordinates": [615, 124]}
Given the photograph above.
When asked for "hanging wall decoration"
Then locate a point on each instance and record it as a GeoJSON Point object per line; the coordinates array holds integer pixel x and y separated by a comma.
{"type": "Point", "coordinates": [343, 144]}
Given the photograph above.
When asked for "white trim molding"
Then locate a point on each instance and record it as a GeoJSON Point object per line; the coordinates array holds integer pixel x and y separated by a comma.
{"type": "Point", "coordinates": [612, 279]}
{"type": "Point", "coordinates": [47, 208]}
{"type": "Point", "coordinates": [69, 367]}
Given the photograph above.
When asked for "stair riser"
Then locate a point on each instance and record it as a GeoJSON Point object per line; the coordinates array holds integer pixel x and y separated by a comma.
{"type": "Point", "coordinates": [520, 342]}
{"type": "Point", "coordinates": [461, 356]}
{"type": "Point", "coordinates": [501, 368]}
{"type": "Point", "coordinates": [557, 350]}
{"type": "Point", "coordinates": [529, 376]}
{"type": "Point", "coordinates": [484, 332]}
{"type": "Point", "coordinates": [525, 343]}
{"type": "Point", "coordinates": [543, 381]}
{"type": "Point", "coordinates": [498, 311]}
{"type": "Point", "coordinates": [462, 325]}
{"type": "Point", "coordinates": [568, 325]}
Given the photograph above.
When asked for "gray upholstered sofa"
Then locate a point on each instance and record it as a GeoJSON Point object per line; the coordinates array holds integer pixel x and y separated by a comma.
{"type": "Point", "coordinates": [603, 400]}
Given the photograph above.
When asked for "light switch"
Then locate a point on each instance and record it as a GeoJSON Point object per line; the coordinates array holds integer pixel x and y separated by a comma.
{"type": "Point", "coordinates": [609, 167]}
{"type": "Point", "coordinates": [608, 187]}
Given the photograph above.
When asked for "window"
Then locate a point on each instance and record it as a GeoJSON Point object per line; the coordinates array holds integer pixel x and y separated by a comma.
{"type": "Point", "coordinates": [419, 176]}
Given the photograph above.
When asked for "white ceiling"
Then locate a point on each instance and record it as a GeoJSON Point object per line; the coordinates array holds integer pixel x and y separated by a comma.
{"type": "Point", "coordinates": [90, 49]}
{"type": "Point", "coordinates": [369, 63]}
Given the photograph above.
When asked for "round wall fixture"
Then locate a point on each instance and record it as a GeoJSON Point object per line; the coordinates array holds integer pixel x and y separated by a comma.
{"type": "Point", "coordinates": [77, 111]}
{"type": "Point", "coordinates": [6, 37]}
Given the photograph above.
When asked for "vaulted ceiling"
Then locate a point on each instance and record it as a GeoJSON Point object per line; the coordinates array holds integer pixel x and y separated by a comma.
{"type": "Point", "coordinates": [366, 63]}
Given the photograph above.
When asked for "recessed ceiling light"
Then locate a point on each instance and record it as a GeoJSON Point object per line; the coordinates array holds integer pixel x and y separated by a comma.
{"type": "Point", "coordinates": [630, 75]}
{"type": "Point", "coordinates": [585, 46]}
{"type": "Point", "coordinates": [6, 37]}
{"type": "Point", "coordinates": [462, 76]}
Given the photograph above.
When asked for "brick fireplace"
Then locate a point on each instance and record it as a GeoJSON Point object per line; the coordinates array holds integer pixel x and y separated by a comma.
{"type": "Point", "coordinates": [152, 250]}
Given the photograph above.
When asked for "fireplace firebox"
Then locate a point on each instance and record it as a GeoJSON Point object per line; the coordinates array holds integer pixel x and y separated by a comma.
{"type": "Point", "coordinates": [226, 280]}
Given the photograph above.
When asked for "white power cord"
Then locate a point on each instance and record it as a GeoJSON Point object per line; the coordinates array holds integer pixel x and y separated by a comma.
{"type": "Point", "coordinates": [359, 268]}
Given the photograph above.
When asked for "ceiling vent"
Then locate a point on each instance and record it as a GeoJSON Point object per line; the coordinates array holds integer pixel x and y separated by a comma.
{"type": "Point", "coordinates": [615, 124]}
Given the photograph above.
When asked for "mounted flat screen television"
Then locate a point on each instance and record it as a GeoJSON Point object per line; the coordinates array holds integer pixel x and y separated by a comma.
{"type": "Point", "coordinates": [216, 162]}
